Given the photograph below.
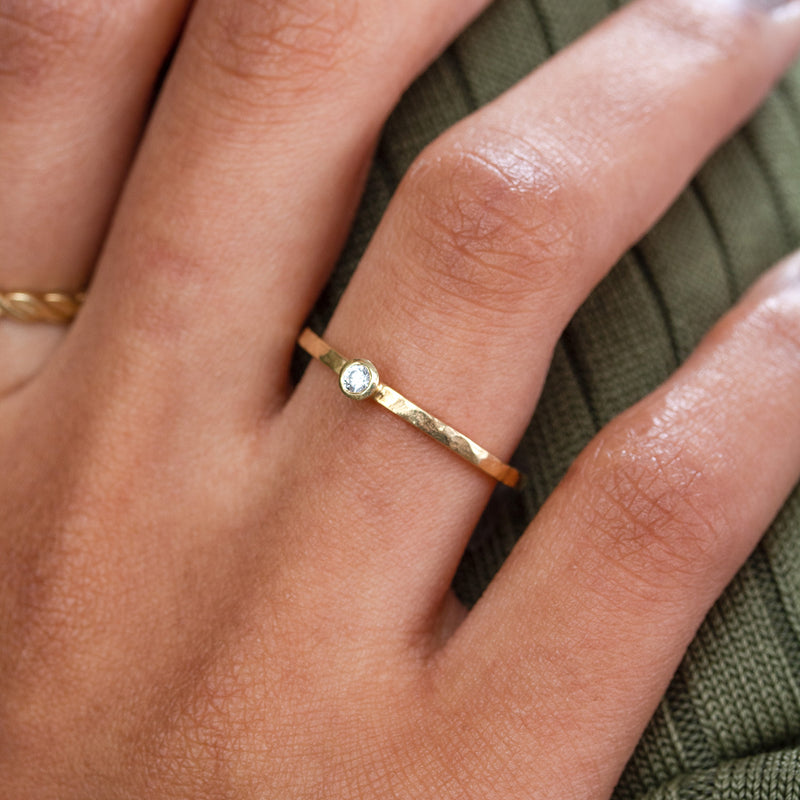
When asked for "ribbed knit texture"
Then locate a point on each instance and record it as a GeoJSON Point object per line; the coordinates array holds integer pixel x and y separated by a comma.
{"type": "Point", "coordinates": [729, 726]}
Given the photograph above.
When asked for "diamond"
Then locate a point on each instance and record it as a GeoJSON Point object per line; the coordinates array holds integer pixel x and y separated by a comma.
{"type": "Point", "coordinates": [357, 379]}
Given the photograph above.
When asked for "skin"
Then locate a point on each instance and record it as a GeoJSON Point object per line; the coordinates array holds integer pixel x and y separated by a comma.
{"type": "Point", "coordinates": [200, 595]}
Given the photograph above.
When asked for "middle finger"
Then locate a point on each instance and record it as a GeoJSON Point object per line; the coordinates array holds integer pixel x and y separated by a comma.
{"type": "Point", "coordinates": [246, 181]}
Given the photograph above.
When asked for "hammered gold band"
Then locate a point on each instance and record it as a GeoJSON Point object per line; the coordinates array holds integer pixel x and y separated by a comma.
{"type": "Point", "coordinates": [359, 379]}
{"type": "Point", "coordinates": [53, 307]}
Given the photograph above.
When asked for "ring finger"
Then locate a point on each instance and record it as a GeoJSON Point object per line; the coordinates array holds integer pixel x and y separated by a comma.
{"type": "Point", "coordinates": [499, 231]}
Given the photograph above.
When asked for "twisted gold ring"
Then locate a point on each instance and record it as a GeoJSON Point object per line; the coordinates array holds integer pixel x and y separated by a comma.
{"type": "Point", "coordinates": [53, 307]}
{"type": "Point", "coordinates": [359, 379]}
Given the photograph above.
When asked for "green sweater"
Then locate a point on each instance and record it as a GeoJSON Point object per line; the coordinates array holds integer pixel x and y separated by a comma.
{"type": "Point", "coordinates": [729, 726]}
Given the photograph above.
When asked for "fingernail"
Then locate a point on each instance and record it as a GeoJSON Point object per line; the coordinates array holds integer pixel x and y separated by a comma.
{"type": "Point", "coordinates": [770, 5]}
{"type": "Point", "coordinates": [789, 271]}
{"type": "Point", "coordinates": [783, 279]}
{"type": "Point", "coordinates": [778, 8]}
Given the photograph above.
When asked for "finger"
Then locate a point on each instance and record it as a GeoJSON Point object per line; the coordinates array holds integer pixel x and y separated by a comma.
{"type": "Point", "coordinates": [588, 619]}
{"type": "Point", "coordinates": [75, 82]}
{"type": "Point", "coordinates": [495, 237]}
{"type": "Point", "coordinates": [249, 177]}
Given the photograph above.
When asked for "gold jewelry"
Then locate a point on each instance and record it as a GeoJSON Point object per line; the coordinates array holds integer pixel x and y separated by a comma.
{"type": "Point", "coordinates": [54, 307]}
{"type": "Point", "coordinates": [359, 379]}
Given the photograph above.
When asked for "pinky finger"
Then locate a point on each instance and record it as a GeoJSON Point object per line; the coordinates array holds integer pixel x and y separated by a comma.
{"type": "Point", "coordinates": [590, 616]}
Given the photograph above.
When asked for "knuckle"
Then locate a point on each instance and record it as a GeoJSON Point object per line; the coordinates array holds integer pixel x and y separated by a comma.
{"type": "Point", "coordinates": [653, 508]}
{"type": "Point", "coordinates": [38, 37]}
{"type": "Point", "coordinates": [291, 48]}
{"type": "Point", "coordinates": [487, 227]}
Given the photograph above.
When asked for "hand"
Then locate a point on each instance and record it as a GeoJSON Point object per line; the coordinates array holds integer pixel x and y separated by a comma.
{"type": "Point", "coordinates": [212, 585]}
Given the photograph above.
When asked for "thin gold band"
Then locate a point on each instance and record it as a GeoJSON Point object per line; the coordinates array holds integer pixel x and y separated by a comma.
{"type": "Point", "coordinates": [53, 307]}
{"type": "Point", "coordinates": [366, 380]}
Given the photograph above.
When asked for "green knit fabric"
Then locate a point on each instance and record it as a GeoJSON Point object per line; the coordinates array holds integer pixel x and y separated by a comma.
{"type": "Point", "coordinates": [729, 726]}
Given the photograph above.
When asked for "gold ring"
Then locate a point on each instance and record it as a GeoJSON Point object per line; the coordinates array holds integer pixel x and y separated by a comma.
{"type": "Point", "coordinates": [54, 307]}
{"type": "Point", "coordinates": [358, 378]}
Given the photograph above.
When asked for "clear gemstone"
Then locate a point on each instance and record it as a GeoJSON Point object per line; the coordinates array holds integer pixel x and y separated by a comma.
{"type": "Point", "coordinates": [356, 378]}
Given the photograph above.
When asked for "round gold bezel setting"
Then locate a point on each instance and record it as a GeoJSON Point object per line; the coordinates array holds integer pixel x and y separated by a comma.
{"type": "Point", "coordinates": [359, 379]}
